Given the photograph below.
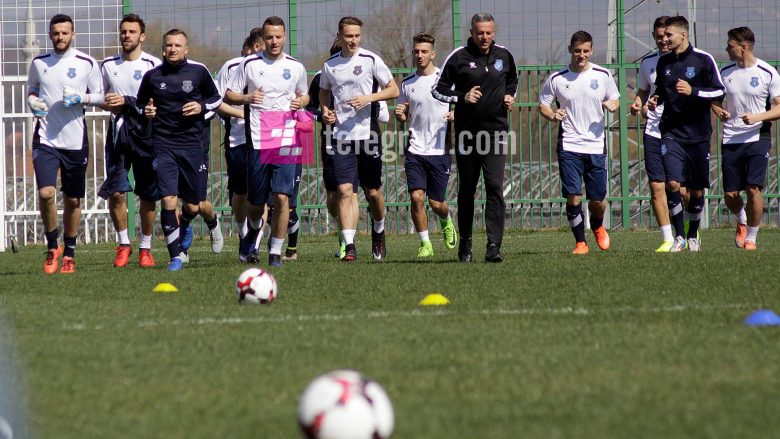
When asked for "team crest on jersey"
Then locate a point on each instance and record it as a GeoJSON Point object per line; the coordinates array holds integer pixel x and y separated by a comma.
{"type": "Point", "coordinates": [137, 75]}
{"type": "Point", "coordinates": [72, 72]}
{"type": "Point", "coordinates": [163, 86]}
{"type": "Point", "coordinates": [668, 72]}
{"type": "Point", "coordinates": [499, 65]}
{"type": "Point", "coordinates": [287, 75]}
{"type": "Point", "coordinates": [186, 86]}
{"type": "Point", "coordinates": [472, 65]}
{"type": "Point", "coordinates": [594, 84]}
{"type": "Point", "coordinates": [690, 72]}
{"type": "Point", "coordinates": [664, 149]}
{"type": "Point", "coordinates": [754, 81]}
{"type": "Point", "coordinates": [357, 71]}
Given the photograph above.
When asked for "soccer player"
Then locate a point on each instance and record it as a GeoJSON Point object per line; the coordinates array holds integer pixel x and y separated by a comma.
{"type": "Point", "coordinates": [353, 77]}
{"type": "Point", "coordinates": [752, 100]}
{"type": "Point", "coordinates": [651, 140]}
{"type": "Point", "coordinates": [176, 95]}
{"type": "Point", "coordinates": [583, 91]}
{"type": "Point", "coordinates": [688, 81]}
{"type": "Point", "coordinates": [127, 142]}
{"type": "Point", "coordinates": [480, 78]}
{"type": "Point", "coordinates": [427, 161]}
{"type": "Point", "coordinates": [60, 84]}
{"type": "Point", "coordinates": [270, 81]}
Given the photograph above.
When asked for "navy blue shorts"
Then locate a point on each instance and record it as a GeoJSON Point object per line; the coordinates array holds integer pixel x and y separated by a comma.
{"type": "Point", "coordinates": [329, 171]}
{"type": "Point", "coordinates": [117, 167]}
{"type": "Point", "coordinates": [687, 163]}
{"type": "Point", "coordinates": [236, 159]}
{"type": "Point", "coordinates": [119, 158]}
{"type": "Point", "coordinates": [296, 186]}
{"type": "Point", "coordinates": [575, 166]}
{"type": "Point", "coordinates": [361, 157]}
{"type": "Point", "coordinates": [72, 165]}
{"type": "Point", "coordinates": [745, 164]}
{"type": "Point", "coordinates": [145, 177]}
{"type": "Point", "coordinates": [654, 161]}
{"type": "Point", "coordinates": [267, 179]}
{"type": "Point", "coordinates": [179, 172]}
{"type": "Point", "coordinates": [431, 173]}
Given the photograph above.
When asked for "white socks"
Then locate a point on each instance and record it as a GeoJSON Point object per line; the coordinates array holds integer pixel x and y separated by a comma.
{"type": "Point", "coordinates": [348, 235]}
{"type": "Point", "coordinates": [276, 246]}
{"type": "Point", "coordinates": [379, 226]}
{"type": "Point", "coordinates": [146, 241]}
{"type": "Point", "coordinates": [752, 232]}
{"type": "Point", "coordinates": [123, 238]}
{"type": "Point", "coordinates": [666, 231]}
{"type": "Point", "coordinates": [742, 216]}
{"type": "Point", "coordinates": [423, 236]}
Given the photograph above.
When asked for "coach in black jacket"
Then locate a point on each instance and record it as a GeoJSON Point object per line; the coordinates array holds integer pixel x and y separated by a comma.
{"type": "Point", "coordinates": [480, 78]}
{"type": "Point", "coordinates": [176, 95]}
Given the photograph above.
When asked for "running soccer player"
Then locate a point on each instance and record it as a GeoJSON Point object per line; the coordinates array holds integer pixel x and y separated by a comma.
{"type": "Point", "coordinates": [353, 77]}
{"type": "Point", "coordinates": [752, 100]}
{"type": "Point", "coordinates": [687, 83]}
{"type": "Point", "coordinates": [651, 140]}
{"type": "Point", "coordinates": [60, 84]}
{"type": "Point", "coordinates": [176, 95]}
{"type": "Point", "coordinates": [236, 148]}
{"type": "Point", "coordinates": [270, 81]}
{"type": "Point", "coordinates": [127, 143]}
{"type": "Point", "coordinates": [427, 162]}
{"type": "Point", "coordinates": [583, 91]}
{"type": "Point", "coordinates": [480, 78]}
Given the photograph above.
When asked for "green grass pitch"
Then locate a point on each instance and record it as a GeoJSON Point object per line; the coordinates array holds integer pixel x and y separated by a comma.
{"type": "Point", "coordinates": [625, 343]}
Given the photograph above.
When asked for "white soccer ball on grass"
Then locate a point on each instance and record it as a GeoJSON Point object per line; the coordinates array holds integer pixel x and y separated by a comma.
{"type": "Point", "coordinates": [256, 286]}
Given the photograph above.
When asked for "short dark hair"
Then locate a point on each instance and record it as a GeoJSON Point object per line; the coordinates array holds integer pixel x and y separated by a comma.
{"type": "Point", "coordinates": [134, 18]}
{"type": "Point", "coordinates": [742, 35]}
{"type": "Point", "coordinates": [660, 22]}
{"type": "Point", "coordinates": [580, 37]}
{"type": "Point", "coordinates": [481, 17]}
{"type": "Point", "coordinates": [60, 18]}
{"type": "Point", "coordinates": [422, 37]}
{"type": "Point", "coordinates": [336, 46]}
{"type": "Point", "coordinates": [175, 31]}
{"type": "Point", "coordinates": [349, 21]}
{"type": "Point", "coordinates": [274, 21]}
{"type": "Point", "coordinates": [678, 21]}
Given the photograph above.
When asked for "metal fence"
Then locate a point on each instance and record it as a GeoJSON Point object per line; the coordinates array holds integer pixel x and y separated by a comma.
{"type": "Point", "coordinates": [535, 32]}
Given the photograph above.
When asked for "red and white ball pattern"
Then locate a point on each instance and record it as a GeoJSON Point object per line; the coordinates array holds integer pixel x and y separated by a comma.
{"type": "Point", "coordinates": [256, 286]}
{"type": "Point", "coordinates": [345, 405]}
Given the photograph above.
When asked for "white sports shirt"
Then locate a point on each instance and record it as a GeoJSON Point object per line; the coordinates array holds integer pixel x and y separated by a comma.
{"type": "Point", "coordinates": [427, 121]}
{"type": "Point", "coordinates": [124, 77]}
{"type": "Point", "coordinates": [581, 95]}
{"type": "Point", "coordinates": [646, 81]}
{"type": "Point", "coordinates": [64, 127]}
{"type": "Point", "coordinates": [350, 77]}
{"type": "Point", "coordinates": [748, 90]}
{"type": "Point", "coordinates": [237, 133]}
{"type": "Point", "coordinates": [279, 79]}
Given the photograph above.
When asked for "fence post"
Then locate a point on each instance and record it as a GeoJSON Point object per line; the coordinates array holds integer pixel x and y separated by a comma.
{"type": "Point", "coordinates": [292, 12]}
{"type": "Point", "coordinates": [3, 181]}
{"type": "Point", "coordinates": [456, 41]}
{"type": "Point", "coordinates": [127, 6]}
{"type": "Point", "coordinates": [625, 193]}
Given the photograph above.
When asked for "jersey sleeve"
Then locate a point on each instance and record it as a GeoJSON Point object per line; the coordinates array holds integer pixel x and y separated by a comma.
{"type": "Point", "coordinates": [381, 72]}
{"type": "Point", "coordinates": [547, 94]}
{"type": "Point", "coordinates": [511, 76]}
{"type": "Point", "coordinates": [314, 97]}
{"type": "Point", "coordinates": [301, 87]}
{"type": "Point", "coordinates": [444, 88]}
{"type": "Point", "coordinates": [714, 90]}
{"type": "Point", "coordinates": [223, 78]}
{"type": "Point", "coordinates": [95, 93]}
{"type": "Point", "coordinates": [403, 98]}
{"type": "Point", "coordinates": [33, 80]}
{"type": "Point", "coordinates": [325, 79]}
{"type": "Point", "coordinates": [105, 75]}
{"type": "Point", "coordinates": [144, 93]}
{"type": "Point", "coordinates": [774, 85]}
{"type": "Point", "coordinates": [642, 81]}
{"type": "Point", "coordinates": [237, 81]}
{"type": "Point", "coordinates": [208, 89]}
{"type": "Point", "coordinates": [384, 113]}
{"type": "Point", "coordinates": [612, 90]}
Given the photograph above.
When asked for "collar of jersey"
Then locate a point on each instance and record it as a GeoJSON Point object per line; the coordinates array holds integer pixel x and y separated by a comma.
{"type": "Point", "coordinates": [67, 54]}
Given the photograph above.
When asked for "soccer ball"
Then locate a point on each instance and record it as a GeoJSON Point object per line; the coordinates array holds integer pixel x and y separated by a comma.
{"type": "Point", "coordinates": [345, 405]}
{"type": "Point", "coordinates": [256, 286]}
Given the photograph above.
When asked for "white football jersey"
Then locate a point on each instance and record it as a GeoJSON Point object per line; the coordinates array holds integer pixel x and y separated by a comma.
{"type": "Point", "coordinates": [350, 77]}
{"type": "Point", "coordinates": [427, 115]}
{"type": "Point", "coordinates": [64, 127]}
{"type": "Point", "coordinates": [581, 95]}
{"type": "Point", "coordinates": [237, 132]}
{"type": "Point", "coordinates": [124, 77]}
{"type": "Point", "coordinates": [748, 90]}
{"type": "Point", "coordinates": [280, 80]}
{"type": "Point", "coordinates": [646, 81]}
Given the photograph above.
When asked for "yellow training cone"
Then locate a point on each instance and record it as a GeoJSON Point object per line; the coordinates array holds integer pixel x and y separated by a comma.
{"type": "Point", "coordinates": [434, 299]}
{"type": "Point", "coordinates": [165, 287]}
